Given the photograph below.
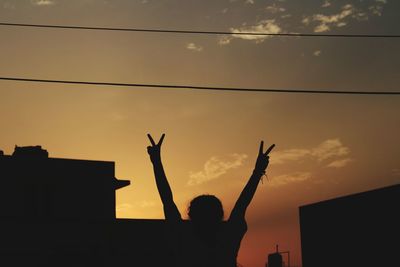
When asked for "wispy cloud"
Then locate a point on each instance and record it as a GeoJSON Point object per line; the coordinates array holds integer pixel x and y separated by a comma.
{"type": "Point", "coordinates": [376, 9]}
{"type": "Point", "coordinates": [215, 167]}
{"type": "Point", "coordinates": [145, 204]}
{"type": "Point", "coordinates": [123, 207]}
{"type": "Point", "coordinates": [280, 157]}
{"type": "Point", "coordinates": [317, 53]}
{"type": "Point", "coordinates": [326, 4]}
{"type": "Point", "coordinates": [194, 47]}
{"type": "Point", "coordinates": [339, 163]}
{"type": "Point", "coordinates": [127, 207]}
{"type": "Point", "coordinates": [330, 153]}
{"type": "Point", "coordinates": [329, 16]}
{"type": "Point", "coordinates": [285, 179]}
{"type": "Point", "coordinates": [326, 22]}
{"type": "Point", "coordinates": [264, 26]}
{"type": "Point", "coordinates": [330, 148]}
{"type": "Point", "coordinates": [274, 8]}
{"type": "Point", "coordinates": [285, 16]}
{"type": "Point", "coordinates": [43, 2]}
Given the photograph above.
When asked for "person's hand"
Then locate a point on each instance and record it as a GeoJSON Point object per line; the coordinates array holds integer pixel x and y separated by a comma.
{"type": "Point", "coordinates": [155, 149]}
{"type": "Point", "coordinates": [262, 159]}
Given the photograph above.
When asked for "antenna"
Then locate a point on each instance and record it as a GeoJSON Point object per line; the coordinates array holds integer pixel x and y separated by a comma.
{"type": "Point", "coordinates": [275, 259]}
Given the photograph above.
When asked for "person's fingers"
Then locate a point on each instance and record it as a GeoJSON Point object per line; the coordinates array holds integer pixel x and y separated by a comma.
{"type": "Point", "coordinates": [151, 139]}
{"type": "Point", "coordinates": [260, 151]}
{"type": "Point", "coordinates": [161, 140]}
{"type": "Point", "coordinates": [269, 149]}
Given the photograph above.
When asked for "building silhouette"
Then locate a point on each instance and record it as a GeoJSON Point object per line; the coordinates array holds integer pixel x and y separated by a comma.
{"type": "Point", "coordinates": [42, 188]}
{"type": "Point", "coordinates": [61, 212]}
{"type": "Point", "coordinates": [276, 259]}
{"type": "Point", "coordinates": [355, 230]}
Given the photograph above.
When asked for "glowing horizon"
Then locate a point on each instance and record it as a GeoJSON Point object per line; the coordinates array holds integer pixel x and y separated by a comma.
{"type": "Point", "coordinates": [326, 146]}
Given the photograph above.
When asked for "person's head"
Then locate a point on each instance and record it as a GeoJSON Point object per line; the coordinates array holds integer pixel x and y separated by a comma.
{"type": "Point", "coordinates": [206, 209]}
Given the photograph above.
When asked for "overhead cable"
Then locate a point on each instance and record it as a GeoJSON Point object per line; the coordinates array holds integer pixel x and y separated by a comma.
{"type": "Point", "coordinates": [234, 32]}
{"type": "Point", "coordinates": [194, 87]}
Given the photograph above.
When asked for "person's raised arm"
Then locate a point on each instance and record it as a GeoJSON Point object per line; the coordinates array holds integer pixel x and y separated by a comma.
{"type": "Point", "coordinates": [239, 210]}
{"type": "Point", "coordinates": [171, 212]}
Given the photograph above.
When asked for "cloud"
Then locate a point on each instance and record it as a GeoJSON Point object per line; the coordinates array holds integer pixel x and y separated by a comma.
{"type": "Point", "coordinates": [284, 156]}
{"type": "Point", "coordinates": [43, 2]}
{"type": "Point", "coordinates": [126, 207]}
{"type": "Point", "coordinates": [123, 207]}
{"type": "Point", "coordinates": [224, 40]}
{"type": "Point", "coordinates": [326, 4]}
{"type": "Point", "coordinates": [145, 204]}
{"type": "Point", "coordinates": [264, 26]}
{"type": "Point", "coordinates": [326, 19]}
{"type": "Point", "coordinates": [347, 12]}
{"type": "Point", "coordinates": [325, 22]}
{"type": "Point", "coordinates": [317, 53]}
{"type": "Point", "coordinates": [339, 163]}
{"type": "Point", "coordinates": [285, 179]}
{"type": "Point", "coordinates": [194, 47]}
{"type": "Point", "coordinates": [215, 167]}
{"type": "Point", "coordinates": [274, 8]}
{"type": "Point", "coordinates": [376, 9]}
{"type": "Point", "coordinates": [330, 148]}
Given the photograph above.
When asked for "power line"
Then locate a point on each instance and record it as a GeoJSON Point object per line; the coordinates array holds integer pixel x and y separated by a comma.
{"type": "Point", "coordinates": [193, 87]}
{"type": "Point", "coordinates": [72, 27]}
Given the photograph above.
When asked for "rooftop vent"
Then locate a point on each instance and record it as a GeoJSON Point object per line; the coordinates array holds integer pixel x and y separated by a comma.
{"type": "Point", "coordinates": [30, 152]}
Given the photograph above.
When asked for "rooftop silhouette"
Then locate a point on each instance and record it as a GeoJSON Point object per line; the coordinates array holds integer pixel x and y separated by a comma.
{"type": "Point", "coordinates": [61, 212]}
{"type": "Point", "coordinates": [43, 187]}
{"type": "Point", "coordinates": [356, 230]}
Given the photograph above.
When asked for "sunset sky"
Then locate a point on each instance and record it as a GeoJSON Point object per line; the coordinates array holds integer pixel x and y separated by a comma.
{"type": "Point", "coordinates": [326, 145]}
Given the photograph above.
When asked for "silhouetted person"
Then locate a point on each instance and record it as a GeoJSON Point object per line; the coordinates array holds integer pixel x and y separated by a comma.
{"type": "Point", "coordinates": [206, 242]}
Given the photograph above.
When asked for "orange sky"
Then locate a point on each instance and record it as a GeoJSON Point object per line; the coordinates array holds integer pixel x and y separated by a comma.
{"type": "Point", "coordinates": [326, 145]}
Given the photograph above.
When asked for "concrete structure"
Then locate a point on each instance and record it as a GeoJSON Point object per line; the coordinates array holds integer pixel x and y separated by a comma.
{"type": "Point", "coordinates": [35, 186]}
{"type": "Point", "coordinates": [61, 212]}
{"type": "Point", "coordinates": [355, 230]}
{"type": "Point", "coordinates": [276, 259]}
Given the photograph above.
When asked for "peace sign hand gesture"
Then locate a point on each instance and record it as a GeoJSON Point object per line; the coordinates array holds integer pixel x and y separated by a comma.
{"type": "Point", "coordinates": [262, 159]}
{"type": "Point", "coordinates": [155, 149]}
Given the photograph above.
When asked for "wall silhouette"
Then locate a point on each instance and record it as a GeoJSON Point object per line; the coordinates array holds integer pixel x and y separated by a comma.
{"type": "Point", "coordinates": [61, 212]}
{"type": "Point", "coordinates": [36, 186]}
{"type": "Point", "coordinates": [355, 230]}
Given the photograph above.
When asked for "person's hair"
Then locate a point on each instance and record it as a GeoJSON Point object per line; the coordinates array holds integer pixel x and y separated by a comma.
{"type": "Point", "coordinates": [206, 208]}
